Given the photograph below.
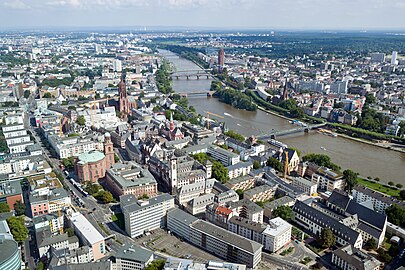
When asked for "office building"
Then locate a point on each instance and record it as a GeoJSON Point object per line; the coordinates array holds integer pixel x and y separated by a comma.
{"type": "Point", "coordinates": [216, 240]}
{"type": "Point", "coordinates": [338, 87]}
{"type": "Point", "coordinates": [226, 157]}
{"type": "Point", "coordinates": [378, 58]}
{"type": "Point", "coordinates": [221, 57]}
{"type": "Point", "coordinates": [142, 216]}
{"type": "Point", "coordinates": [130, 178]}
{"type": "Point", "coordinates": [10, 193]}
{"type": "Point", "coordinates": [394, 58]}
{"type": "Point", "coordinates": [10, 255]}
{"type": "Point", "coordinates": [88, 235]}
{"type": "Point", "coordinates": [130, 257]}
{"type": "Point", "coordinates": [117, 65]}
{"type": "Point", "coordinates": [45, 240]}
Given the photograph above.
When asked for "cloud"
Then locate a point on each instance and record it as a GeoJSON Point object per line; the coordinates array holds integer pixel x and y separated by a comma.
{"type": "Point", "coordinates": [16, 4]}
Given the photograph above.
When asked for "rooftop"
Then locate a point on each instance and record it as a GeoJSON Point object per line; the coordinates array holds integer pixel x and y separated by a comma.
{"type": "Point", "coordinates": [86, 228]}
{"type": "Point", "coordinates": [277, 226]}
{"type": "Point", "coordinates": [227, 236]}
{"type": "Point", "coordinates": [134, 253]}
{"type": "Point", "coordinates": [90, 157]}
{"type": "Point", "coordinates": [131, 204]}
{"type": "Point", "coordinates": [8, 249]}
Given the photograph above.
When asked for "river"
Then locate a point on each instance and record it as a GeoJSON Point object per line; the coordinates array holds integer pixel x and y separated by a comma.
{"type": "Point", "coordinates": [368, 160]}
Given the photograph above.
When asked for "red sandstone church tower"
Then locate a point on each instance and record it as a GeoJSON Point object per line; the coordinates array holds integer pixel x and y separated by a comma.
{"type": "Point", "coordinates": [108, 151]}
{"type": "Point", "coordinates": [122, 91]}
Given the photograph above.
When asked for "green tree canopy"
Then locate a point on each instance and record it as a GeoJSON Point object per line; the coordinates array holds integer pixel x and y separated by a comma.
{"type": "Point", "coordinates": [284, 212]}
{"type": "Point", "coordinates": [80, 120]}
{"type": "Point", "coordinates": [19, 208]}
{"type": "Point", "coordinates": [27, 93]}
{"type": "Point", "coordinates": [219, 172]}
{"type": "Point", "coordinates": [156, 265]}
{"type": "Point", "coordinates": [240, 193]}
{"type": "Point", "coordinates": [351, 179]}
{"type": "Point", "coordinates": [105, 196]}
{"type": "Point", "coordinates": [275, 164]}
{"type": "Point", "coordinates": [321, 160]}
{"type": "Point", "coordinates": [327, 238]}
{"type": "Point", "coordinates": [70, 232]}
{"type": "Point", "coordinates": [235, 135]}
{"type": "Point", "coordinates": [18, 229]}
{"type": "Point", "coordinates": [256, 165]}
{"type": "Point", "coordinates": [396, 214]}
{"type": "Point", "coordinates": [4, 207]}
{"type": "Point", "coordinates": [47, 95]}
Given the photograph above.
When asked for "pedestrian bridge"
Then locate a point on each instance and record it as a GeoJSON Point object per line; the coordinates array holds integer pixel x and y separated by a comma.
{"type": "Point", "coordinates": [275, 134]}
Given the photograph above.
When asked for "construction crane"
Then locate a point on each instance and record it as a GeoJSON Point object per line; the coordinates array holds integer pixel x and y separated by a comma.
{"type": "Point", "coordinates": [208, 117]}
{"type": "Point", "coordinates": [286, 167]}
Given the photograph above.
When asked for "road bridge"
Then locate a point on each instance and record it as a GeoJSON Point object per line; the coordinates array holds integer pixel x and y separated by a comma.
{"type": "Point", "coordinates": [274, 134]}
{"type": "Point", "coordinates": [191, 73]}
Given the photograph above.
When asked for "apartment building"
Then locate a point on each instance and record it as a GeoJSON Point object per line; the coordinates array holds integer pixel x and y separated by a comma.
{"type": "Point", "coordinates": [61, 241]}
{"type": "Point", "coordinates": [239, 169]}
{"type": "Point", "coordinates": [351, 258]}
{"type": "Point", "coordinates": [379, 200]}
{"type": "Point", "coordinates": [142, 216]}
{"type": "Point", "coordinates": [242, 182]}
{"type": "Point", "coordinates": [328, 180]}
{"type": "Point", "coordinates": [260, 193]}
{"type": "Point", "coordinates": [310, 188]}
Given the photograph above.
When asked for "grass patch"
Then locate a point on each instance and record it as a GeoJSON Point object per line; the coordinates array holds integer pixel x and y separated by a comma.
{"type": "Point", "coordinates": [379, 187]}
{"type": "Point", "coordinates": [103, 228]}
{"type": "Point", "coordinates": [306, 260]}
{"type": "Point", "coordinates": [119, 220]}
{"type": "Point", "coordinates": [315, 247]}
{"type": "Point", "coordinates": [287, 251]}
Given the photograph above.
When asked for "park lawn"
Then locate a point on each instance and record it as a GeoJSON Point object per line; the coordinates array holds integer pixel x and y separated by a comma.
{"type": "Point", "coordinates": [379, 187]}
{"type": "Point", "coordinates": [119, 220]}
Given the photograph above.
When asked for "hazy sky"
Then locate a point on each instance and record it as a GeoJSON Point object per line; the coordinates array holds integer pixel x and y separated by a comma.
{"type": "Point", "coordinates": [271, 14]}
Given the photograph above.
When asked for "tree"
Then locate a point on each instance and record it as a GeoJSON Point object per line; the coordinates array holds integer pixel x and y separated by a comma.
{"type": "Point", "coordinates": [92, 188]}
{"type": "Point", "coordinates": [156, 265]}
{"type": "Point", "coordinates": [219, 172]}
{"type": "Point", "coordinates": [4, 207]}
{"type": "Point", "coordinates": [40, 266]}
{"type": "Point", "coordinates": [27, 93]}
{"type": "Point", "coordinates": [47, 95]}
{"type": "Point", "coordinates": [69, 163]}
{"type": "Point", "coordinates": [80, 120]}
{"type": "Point", "coordinates": [234, 135]}
{"type": "Point", "coordinates": [371, 244]}
{"type": "Point", "coordinates": [327, 238]}
{"type": "Point", "coordinates": [240, 193]}
{"type": "Point", "coordinates": [391, 183]}
{"type": "Point", "coordinates": [19, 208]}
{"type": "Point", "coordinates": [351, 179]}
{"type": "Point", "coordinates": [70, 232]}
{"type": "Point", "coordinates": [396, 214]}
{"type": "Point", "coordinates": [384, 256]}
{"type": "Point", "coordinates": [105, 196]}
{"type": "Point", "coordinates": [402, 194]}
{"type": "Point", "coordinates": [399, 185]}
{"type": "Point", "coordinates": [321, 160]}
{"type": "Point", "coordinates": [116, 158]}
{"type": "Point", "coordinates": [256, 165]}
{"type": "Point", "coordinates": [275, 164]}
{"type": "Point", "coordinates": [284, 212]}
{"type": "Point", "coordinates": [18, 229]}
{"type": "Point", "coordinates": [143, 197]}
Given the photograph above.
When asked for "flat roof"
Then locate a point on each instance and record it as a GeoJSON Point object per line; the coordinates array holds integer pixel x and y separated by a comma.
{"type": "Point", "coordinates": [8, 249]}
{"type": "Point", "coordinates": [227, 236]}
{"type": "Point", "coordinates": [277, 226]}
{"type": "Point", "coordinates": [133, 253]}
{"type": "Point", "coordinates": [86, 228]}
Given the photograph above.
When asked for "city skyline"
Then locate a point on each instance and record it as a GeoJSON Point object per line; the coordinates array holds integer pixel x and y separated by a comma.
{"type": "Point", "coordinates": [203, 14]}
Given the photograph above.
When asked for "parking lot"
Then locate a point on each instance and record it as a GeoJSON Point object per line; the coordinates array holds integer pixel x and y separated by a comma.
{"type": "Point", "coordinates": [170, 245]}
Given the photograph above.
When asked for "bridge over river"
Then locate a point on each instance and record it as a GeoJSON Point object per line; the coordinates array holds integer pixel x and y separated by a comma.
{"type": "Point", "coordinates": [191, 74]}
{"type": "Point", "coordinates": [274, 134]}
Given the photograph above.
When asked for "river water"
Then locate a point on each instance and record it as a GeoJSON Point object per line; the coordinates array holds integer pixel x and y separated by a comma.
{"type": "Point", "coordinates": [366, 159]}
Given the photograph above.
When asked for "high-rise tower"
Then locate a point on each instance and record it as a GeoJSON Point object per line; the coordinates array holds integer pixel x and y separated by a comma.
{"type": "Point", "coordinates": [221, 58]}
{"type": "Point", "coordinates": [122, 91]}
